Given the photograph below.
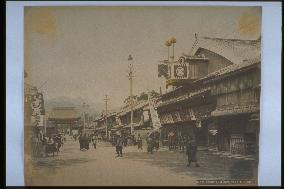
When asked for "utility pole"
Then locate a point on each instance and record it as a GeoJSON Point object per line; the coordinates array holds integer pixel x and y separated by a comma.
{"type": "Point", "coordinates": [106, 100]}
{"type": "Point", "coordinates": [130, 75]}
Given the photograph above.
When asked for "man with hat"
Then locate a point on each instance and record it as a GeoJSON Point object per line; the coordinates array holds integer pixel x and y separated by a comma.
{"type": "Point", "coordinates": [191, 150]}
{"type": "Point", "coordinates": [119, 145]}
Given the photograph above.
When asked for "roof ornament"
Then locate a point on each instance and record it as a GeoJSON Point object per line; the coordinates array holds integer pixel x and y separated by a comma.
{"type": "Point", "coordinates": [194, 44]}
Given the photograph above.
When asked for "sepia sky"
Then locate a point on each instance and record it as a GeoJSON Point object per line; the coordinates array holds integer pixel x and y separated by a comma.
{"type": "Point", "coordinates": [83, 51]}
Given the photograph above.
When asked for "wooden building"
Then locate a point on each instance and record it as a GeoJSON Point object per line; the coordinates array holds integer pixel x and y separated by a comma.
{"type": "Point", "coordinates": [236, 90]}
{"type": "Point", "coordinates": [219, 79]}
{"type": "Point", "coordinates": [100, 125]}
{"type": "Point", "coordinates": [143, 122]}
{"type": "Point", "coordinates": [141, 117]}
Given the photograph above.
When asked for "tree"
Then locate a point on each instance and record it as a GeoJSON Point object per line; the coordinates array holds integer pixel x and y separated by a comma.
{"type": "Point", "coordinates": [127, 100]}
{"type": "Point", "coordinates": [142, 96]}
{"type": "Point", "coordinates": [154, 94]}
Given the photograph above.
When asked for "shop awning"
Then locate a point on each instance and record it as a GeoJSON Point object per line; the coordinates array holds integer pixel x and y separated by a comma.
{"type": "Point", "coordinates": [232, 110]}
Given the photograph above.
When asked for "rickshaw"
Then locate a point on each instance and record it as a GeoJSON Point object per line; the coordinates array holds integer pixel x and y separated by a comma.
{"type": "Point", "coordinates": [50, 148]}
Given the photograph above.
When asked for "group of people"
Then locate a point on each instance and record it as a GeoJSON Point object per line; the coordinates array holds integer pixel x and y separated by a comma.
{"type": "Point", "coordinates": [184, 143]}
{"type": "Point", "coordinates": [152, 143]}
{"type": "Point", "coordinates": [54, 143]}
{"type": "Point", "coordinates": [177, 142]}
{"type": "Point", "coordinates": [43, 146]}
{"type": "Point", "coordinates": [85, 140]}
{"type": "Point", "coordinates": [187, 144]}
{"type": "Point", "coordinates": [119, 142]}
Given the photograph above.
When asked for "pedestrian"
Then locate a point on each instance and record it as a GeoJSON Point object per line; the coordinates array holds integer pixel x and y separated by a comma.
{"type": "Point", "coordinates": [43, 151]}
{"type": "Point", "coordinates": [119, 145]}
{"type": "Point", "coordinates": [157, 145]}
{"type": "Point", "coordinates": [171, 140]}
{"type": "Point", "coordinates": [183, 143]}
{"type": "Point", "coordinates": [139, 142]}
{"type": "Point", "coordinates": [50, 148]}
{"type": "Point", "coordinates": [150, 145]}
{"type": "Point", "coordinates": [191, 151]}
{"type": "Point", "coordinates": [124, 140]}
{"type": "Point", "coordinates": [180, 142]}
{"type": "Point", "coordinates": [86, 141]}
{"type": "Point", "coordinates": [34, 140]}
{"type": "Point", "coordinates": [81, 142]}
{"type": "Point", "coordinates": [94, 140]}
{"type": "Point", "coordinates": [174, 141]}
{"type": "Point", "coordinates": [59, 142]}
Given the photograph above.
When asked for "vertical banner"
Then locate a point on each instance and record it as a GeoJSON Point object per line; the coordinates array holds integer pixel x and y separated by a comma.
{"type": "Point", "coordinates": [154, 115]}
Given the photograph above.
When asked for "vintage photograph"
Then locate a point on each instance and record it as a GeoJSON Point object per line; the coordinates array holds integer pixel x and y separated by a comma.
{"type": "Point", "coordinates": [142, 95]}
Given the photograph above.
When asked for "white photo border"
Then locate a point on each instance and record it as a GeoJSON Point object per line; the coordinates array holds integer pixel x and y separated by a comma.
{"type": "Point", "coordinates": [270, 131]}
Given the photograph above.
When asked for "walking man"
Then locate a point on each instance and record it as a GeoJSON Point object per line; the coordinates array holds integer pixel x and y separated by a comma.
{"type": "Point", "coordinates": [139, 141]}
{"type": "Point", "coordinates": [170, 139]}
{"type": "Point", "coordinates": [150, 145]}
{"type": "Point", "coordinates": [191, 150]}
{"type": "Point", "coordinates": [119, 145]}
{"type": "Point", "coordinates": [94, 140]}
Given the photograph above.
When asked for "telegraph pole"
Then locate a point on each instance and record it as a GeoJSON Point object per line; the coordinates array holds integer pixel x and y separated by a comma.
{"type": "Point", "coordinates": [130, 75]}
{"type": "Point", "coordinates": [106, 100]}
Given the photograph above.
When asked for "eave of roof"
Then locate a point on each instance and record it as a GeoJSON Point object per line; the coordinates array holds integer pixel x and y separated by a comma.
{"type": "Point", "coordinates": [226, 71]}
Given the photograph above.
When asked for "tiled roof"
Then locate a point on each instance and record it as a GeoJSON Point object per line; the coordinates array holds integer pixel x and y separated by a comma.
{"type": "Point", "coordinates": [64, 113]}
{"type": "Point", "coordinates": [231, 68]}
{"type": "Point", "coordinates": [234, 50]}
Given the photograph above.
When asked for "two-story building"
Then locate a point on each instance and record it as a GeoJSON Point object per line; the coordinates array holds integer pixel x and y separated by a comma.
{"type": "Point", "coordinates": [196, 105]}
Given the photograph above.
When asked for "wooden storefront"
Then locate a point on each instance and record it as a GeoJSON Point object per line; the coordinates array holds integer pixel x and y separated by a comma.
{"type": "Point", "coordinates": [188, 115]}
{"type": "Point", "coordinates": [237, 95]}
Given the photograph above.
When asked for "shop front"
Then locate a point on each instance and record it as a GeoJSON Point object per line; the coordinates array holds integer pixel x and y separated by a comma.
{"type": "Point", "coordinates": [236, 134]}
